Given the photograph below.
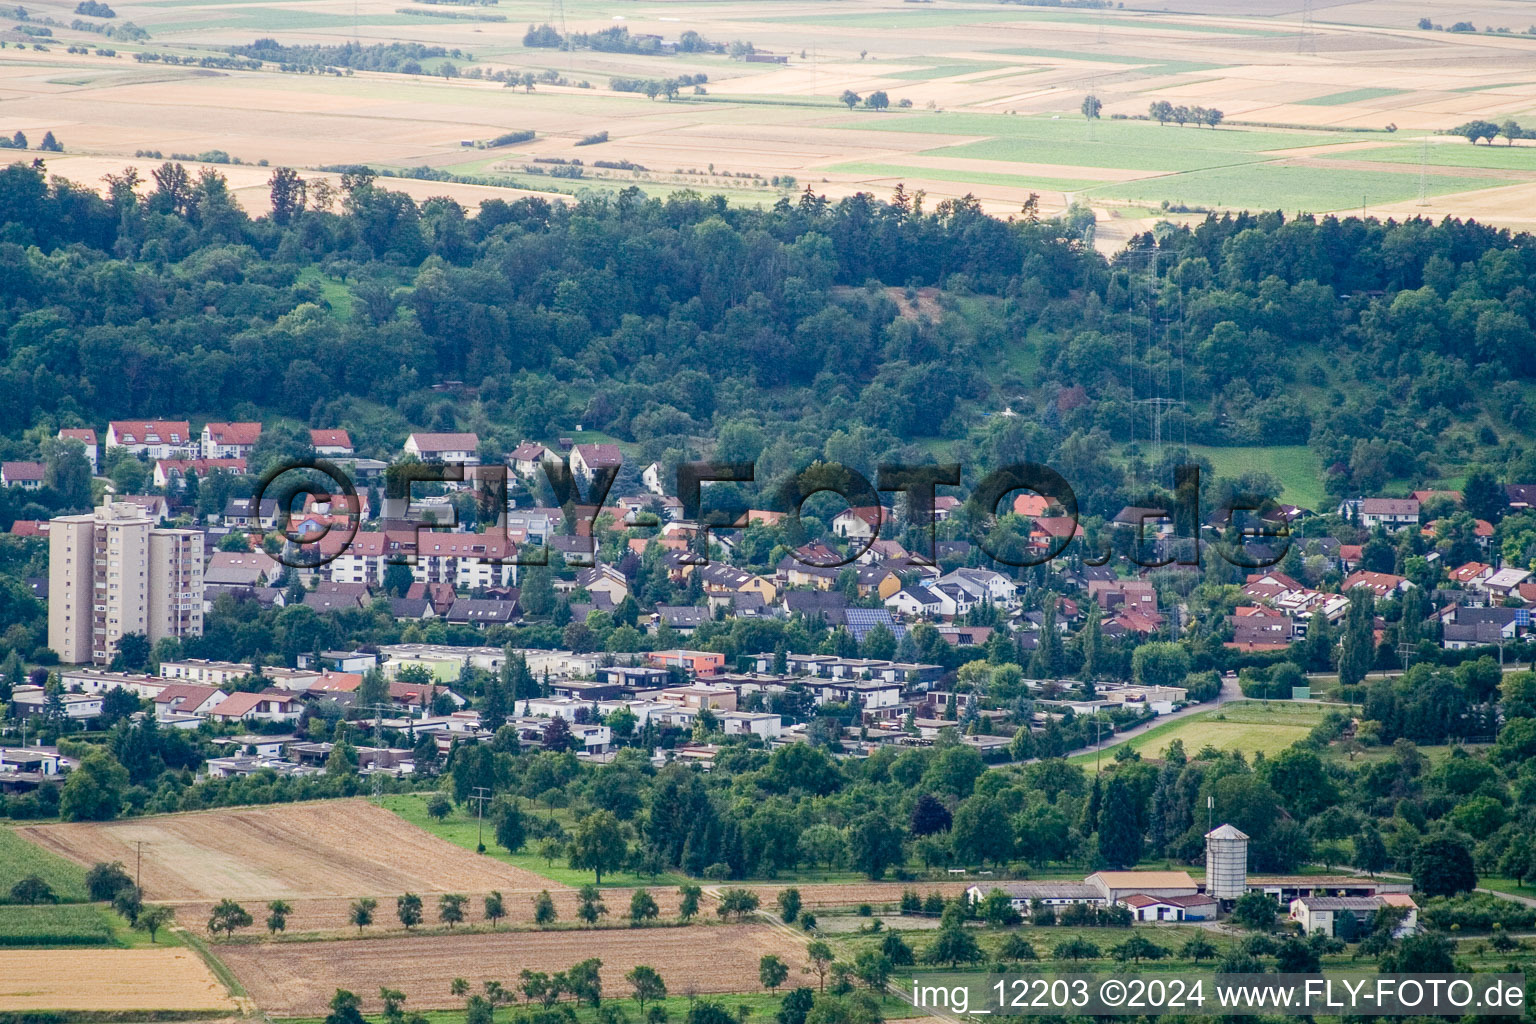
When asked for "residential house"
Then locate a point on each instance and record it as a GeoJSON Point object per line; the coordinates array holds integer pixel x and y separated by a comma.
{"type": "Point", "coordinates": [454, 449]}
{"type": "Point", "coordinates": [717, 578]}
{"type": "Point", "coordinates": [238, 512]}
{"type": "Point", "coordinates": [331, 443]}
{"type": "Point", "coordinates": [914, 602]}
{"type": "Point", "coordinates": [1392, 513]}
{"type": "Point", "coordinates": [153, 439]}
{"type": "Point", "coordinates": [87, 437]}
{"type": "Point", "coordinates": [230, 440]}
{"type": "Point", "coordinates": [860, 522]}
{"type": "Point", "coordinates": [699, 695]}
{"type": "Point", "coordinates": [528, 458]}
{"type": "Point", "coordinates": [698, 663]}
{"type": "Point", "coordinates": [587, 459]}
{"type": "Point", "coordinates": [26, 475]}
{"type": "Point", "coordinates": [650, 476]}
{"type": "Point", "coordinates": [606, 580]}
{"type": "Point", "coordinates": [481, 612]}
{"type": "Point", "coordinates": [982, 585]}
{"type": "Point", "coordinates": [828, 605]}
{"type": "Point", "coordinates": [173, 472]}
{"type": "Point", "coordinates": [1382, 584]}
{"type": "Point", "coordinates": [187, 699]}
{"type": "Point", "coordinates": [682, 618]}
{"type": "Point", "coordinates": [1505, 583]}
{"type": "Point", "coordinates": [27, 701]}
{"type": "Point", "coordinates": [267, 706]}
{"type": "Point", "coordinates": [241, 568]}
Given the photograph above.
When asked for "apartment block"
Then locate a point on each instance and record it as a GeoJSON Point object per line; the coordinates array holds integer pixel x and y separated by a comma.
{"type": "Point", "coordinates": [111, 573]}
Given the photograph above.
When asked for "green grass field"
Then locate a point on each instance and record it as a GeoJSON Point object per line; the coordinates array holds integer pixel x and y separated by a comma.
{"type": "Point", "coordinates": [1498, 157]}
{"type": "Point", "coordinates": [1272, 186]}
{"type": "Point", "coordinates": [61, 925]}
{"type": "Point", "coordinates": [1251, 727]}
{"type": "Point", "coordinates": [1297, 467]}
{"type": "Point", "coordinates": [1338, 99]}
{"type": "Point", "coordinates": [19, 858]}
{"type": "Point", "coordinates": [967, 177]}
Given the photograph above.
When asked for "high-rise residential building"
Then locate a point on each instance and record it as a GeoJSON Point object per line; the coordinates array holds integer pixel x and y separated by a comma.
{"type": "Point", "coordinates": [111, 573]}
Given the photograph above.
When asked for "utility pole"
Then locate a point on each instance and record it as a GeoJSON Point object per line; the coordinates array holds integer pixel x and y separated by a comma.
{"type": "Point", "coordinates": [482, 794]}
{"type": "Point", "coordinates": [138, 865]}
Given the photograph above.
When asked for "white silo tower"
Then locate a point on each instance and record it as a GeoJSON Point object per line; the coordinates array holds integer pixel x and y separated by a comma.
{"type": "Point", "coordinates": [1226, 863]}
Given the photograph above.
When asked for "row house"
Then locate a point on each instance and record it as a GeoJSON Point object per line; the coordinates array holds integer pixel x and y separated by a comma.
{"type": "Point", "coordinates": [154, 439]}
{"type": "Point", "coordinates": [173, 472]}
{"type": "Point", "coordinates": [467, 561]}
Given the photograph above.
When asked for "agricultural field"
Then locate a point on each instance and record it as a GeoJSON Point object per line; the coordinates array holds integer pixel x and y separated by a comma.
{"type": "Point", "coordinates": [19, 858]}
{"type": "Point", "coordinates": [984, 100]}
{"type": "Point", "coordinates": [1252, 727]}
{"type": "Point", "coordinates": [337, 848]}
{"type": "Point", "coordinates": [68, 924]}
{"type": "Point", "coordinates": [298, 978]}
{"type": "Point", "coordinates": [119, 980]}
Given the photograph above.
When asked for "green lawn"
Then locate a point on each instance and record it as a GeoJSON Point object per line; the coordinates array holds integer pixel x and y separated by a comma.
{"type": "Point", "coordinates": [1297, 467]}
{"type": "Point", "coordinates": [460, 828]}
{"type": "Point", "coordinates": [19, 858]}
{"type": "Point", "coordinates": [1287, 187]}
{"type": "Point", "coordinates": [1338, 99]}
{"type": "Point", "coordinates": [1251, 727]}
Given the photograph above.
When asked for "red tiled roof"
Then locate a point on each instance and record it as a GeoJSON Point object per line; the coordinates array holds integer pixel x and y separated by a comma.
{"type": "Point", "coordinates": [330, 439]}
{"type": "Point", "coordinates": [86, 434]}
{"type": "Point", "coordinates": [1031, 505]}
{"type": "Point", "coordinates": [600, 454]}
{"type": "Point", "coordinates": [446, 442]}
{"type": "Point", "coordinates": [28, 471]}
{"type": "Point", "coordinates": [234, 433]}
{"type": "Point", "coordinates": [151, 431]}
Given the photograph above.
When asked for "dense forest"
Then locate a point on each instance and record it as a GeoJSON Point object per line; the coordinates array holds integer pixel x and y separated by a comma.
{"type": "Point", "coordinates": [805, 330]}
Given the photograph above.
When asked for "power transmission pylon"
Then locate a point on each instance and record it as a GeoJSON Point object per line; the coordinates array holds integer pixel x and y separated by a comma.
{"type": "Point", "coordinates": [1306, 42]}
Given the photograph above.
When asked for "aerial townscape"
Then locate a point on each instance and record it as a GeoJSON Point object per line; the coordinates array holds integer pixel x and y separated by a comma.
{"type": "Point", "coordinates": [690, 512]}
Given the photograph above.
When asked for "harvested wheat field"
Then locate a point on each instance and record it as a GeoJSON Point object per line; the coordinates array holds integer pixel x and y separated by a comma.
{"type": "Point", "coordinates": [298, 978]}
{"type": "Point", "coordinates": [108, 979]}
{"type": "Point", "coordinates": [327, 848]}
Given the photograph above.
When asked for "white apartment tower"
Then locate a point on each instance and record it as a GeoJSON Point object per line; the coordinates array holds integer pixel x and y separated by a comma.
{"type": "Point", "coordinates": [111, 573]}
